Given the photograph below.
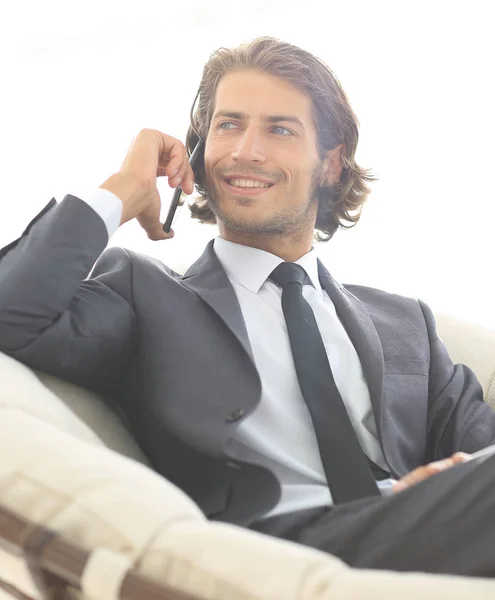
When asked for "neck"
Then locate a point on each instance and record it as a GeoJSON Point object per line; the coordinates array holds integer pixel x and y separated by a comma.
{"type": "Point", "coordinates": [289, 248]}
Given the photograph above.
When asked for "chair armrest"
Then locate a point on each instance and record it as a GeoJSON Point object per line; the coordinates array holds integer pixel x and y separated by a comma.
{"type": "Point", "coordinates": [472, 345]}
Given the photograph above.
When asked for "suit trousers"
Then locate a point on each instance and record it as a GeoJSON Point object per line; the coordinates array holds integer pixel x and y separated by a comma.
{"type": "Point", "coordinates": [445, 524]}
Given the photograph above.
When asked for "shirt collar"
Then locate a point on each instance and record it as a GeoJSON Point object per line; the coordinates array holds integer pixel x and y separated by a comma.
{"type": "Point", "coordinates": [251, 267]}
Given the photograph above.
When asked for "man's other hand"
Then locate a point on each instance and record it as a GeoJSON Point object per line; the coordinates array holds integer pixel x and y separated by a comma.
{"type": "Point", "coordinates": [422, 473]}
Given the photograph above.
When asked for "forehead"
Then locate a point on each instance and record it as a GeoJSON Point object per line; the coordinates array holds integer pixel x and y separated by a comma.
{"type": "Point", "coordinates": [256, 93]}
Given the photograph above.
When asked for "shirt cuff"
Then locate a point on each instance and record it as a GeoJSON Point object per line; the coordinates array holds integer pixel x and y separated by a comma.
{"type": "Point", "coordinates": [106, 205]}
{"type": "Point", "coordinates": [385, 486]}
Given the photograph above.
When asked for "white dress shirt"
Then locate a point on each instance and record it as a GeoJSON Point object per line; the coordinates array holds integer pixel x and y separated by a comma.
{"type": "Point", "coordinates": [279, 434]}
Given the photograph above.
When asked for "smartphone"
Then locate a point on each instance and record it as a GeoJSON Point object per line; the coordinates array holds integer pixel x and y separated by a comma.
{"type": "Point", "coordinates": [482, 455]}
{"type": "Point", "coordinates": [179, 196]}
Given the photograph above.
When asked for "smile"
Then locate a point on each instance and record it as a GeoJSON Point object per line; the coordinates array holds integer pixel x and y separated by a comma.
{"type": "Point", "coordinates": [248, 187]}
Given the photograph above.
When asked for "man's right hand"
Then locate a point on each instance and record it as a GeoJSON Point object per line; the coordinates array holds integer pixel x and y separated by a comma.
{"type": "Point", "coordinates": [152, 154]}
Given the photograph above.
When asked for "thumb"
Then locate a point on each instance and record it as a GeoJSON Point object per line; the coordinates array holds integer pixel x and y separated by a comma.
{"type": "Point", "coordinates": [149, 220]}
{"type": "Point", "coordinates": [156, 232]}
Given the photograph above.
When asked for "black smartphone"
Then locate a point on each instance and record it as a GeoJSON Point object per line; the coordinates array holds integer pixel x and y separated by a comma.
{"type": "Point", "coordinates": [179, 196]}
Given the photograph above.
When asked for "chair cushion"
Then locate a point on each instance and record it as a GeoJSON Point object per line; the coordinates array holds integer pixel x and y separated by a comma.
{"type": "Point", "coordinates": [98, 498]}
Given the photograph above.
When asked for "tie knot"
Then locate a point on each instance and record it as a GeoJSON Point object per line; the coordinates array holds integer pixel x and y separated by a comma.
{"type": "Point", "coordinates": [288, 272]}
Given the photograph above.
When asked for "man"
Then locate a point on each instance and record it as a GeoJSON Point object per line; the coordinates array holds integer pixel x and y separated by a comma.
{"type": "Point", "coordinates": [271, 394]}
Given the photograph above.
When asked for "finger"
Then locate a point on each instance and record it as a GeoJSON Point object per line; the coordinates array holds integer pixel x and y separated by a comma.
{"type": "Point", "coordinates": [174, 168]}
{"type": "Point", "coordinates": [410, 479]}
{"type": "Point", "coordinates": [461, 457]}
{"type": "Point", "coordinates": [400, 486]}
{"type": "Point", "coordinates": [149, 220]}
{"type": "Point", "coordinates": [421, 474]}
{"type": "Point", "coordinates": [440, 465]}
{"type": "Point", "coordinates": [174, 164]}
{"type": "Point", "coordinates": [163, 172]}
{"type": "Point", "coordinates": [138, 157]}
{"type": "Point", "coordinates": [418, 475]}
{"type": "Point", "coordinates": [188, 181]}
{"type": "Point", "coordinates": [172, 155]}
{"type": "Point", "coordinates": [178, 179]}
{"type": "Point", "coordinates": [169, 235]}
{"type": "Point", "coordinates": [154, 229]}
{"type": "Point", "coordinates": [185, 178]}
{"type": "Point", "coordinates": [155, 232]}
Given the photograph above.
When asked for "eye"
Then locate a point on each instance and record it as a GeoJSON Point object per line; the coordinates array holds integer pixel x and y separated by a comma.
{"type": "Point", "coordinates": [288, 131]}
{"type": "Point", "coordinates": [226, 123]}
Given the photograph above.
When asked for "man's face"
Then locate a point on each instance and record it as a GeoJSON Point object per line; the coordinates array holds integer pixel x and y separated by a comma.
{"type": "Point", "coordinates": [262, 134]}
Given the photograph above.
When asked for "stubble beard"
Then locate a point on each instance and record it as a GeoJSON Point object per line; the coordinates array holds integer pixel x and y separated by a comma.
{"type": "Point", "coordinates": [292, 222]}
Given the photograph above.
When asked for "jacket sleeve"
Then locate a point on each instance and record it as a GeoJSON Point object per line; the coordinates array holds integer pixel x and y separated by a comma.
{"type": "Point", "coordinates": [54, 316]}
{"type": "Point", "coordinates": [458, 418]}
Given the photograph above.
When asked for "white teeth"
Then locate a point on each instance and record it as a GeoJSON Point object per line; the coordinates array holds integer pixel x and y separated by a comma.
{"type": "Point", "coordinates": [248, 183]}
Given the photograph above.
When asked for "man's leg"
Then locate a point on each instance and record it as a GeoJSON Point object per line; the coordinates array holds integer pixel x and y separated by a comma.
{"type": "Point", "coordinates": [445, 524]}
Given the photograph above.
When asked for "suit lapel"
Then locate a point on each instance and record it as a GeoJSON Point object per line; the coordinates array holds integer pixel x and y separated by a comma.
{"type": "Point", "coordinates": [208, 279]}
{"type": "Point", "coordinates": [362, 333]}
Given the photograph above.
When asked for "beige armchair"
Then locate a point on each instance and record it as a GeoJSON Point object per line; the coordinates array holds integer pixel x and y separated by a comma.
{"type": "Point", "coordinates": [68, 463]}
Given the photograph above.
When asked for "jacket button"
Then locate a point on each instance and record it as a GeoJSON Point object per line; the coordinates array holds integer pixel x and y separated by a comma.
{"type": "Point", "coordinates": [235, 415]}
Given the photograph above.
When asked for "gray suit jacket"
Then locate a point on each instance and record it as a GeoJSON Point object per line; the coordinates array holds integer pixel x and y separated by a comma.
{"type": "Point", "coordinates": [174, 351]}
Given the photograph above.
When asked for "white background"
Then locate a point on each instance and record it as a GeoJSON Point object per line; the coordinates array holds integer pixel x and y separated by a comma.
{"type": "Point", "coordinates": [80, 79]}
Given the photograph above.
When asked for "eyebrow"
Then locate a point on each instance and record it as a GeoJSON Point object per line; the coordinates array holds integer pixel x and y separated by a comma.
{"type": "Point", "coordinates": [266, 118]}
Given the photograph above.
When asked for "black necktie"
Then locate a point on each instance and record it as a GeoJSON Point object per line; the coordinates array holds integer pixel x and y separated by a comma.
{"type": "Point", "coordinates": [346, 466]}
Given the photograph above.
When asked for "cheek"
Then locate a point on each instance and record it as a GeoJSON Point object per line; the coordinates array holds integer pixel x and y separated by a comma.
{"type": "Point", "coordinates": [212, 161]}
{"type": "Point", "coordinates": [299, 178]}
{"type": "Point", "coordinates": [209, 169]}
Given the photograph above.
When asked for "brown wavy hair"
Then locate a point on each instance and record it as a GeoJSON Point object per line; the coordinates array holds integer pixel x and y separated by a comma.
{"type": "Point", "coordinates": [336, 123]}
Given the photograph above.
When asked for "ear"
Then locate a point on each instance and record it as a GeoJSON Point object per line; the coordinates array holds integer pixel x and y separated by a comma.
{"type": "Point", "coordinates": [332, 165]}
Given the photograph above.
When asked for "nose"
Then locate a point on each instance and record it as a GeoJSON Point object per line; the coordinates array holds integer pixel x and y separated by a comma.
{"type": "Point", "coordinates": [248, 147]}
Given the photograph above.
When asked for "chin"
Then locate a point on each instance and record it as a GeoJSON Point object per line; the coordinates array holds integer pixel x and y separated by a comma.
{"type": "Point", "coordinates": [252, 224]}
{"type": "Point", "coordinates": [247, 215]}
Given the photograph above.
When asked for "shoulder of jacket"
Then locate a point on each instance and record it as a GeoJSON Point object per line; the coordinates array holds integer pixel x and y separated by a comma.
{"type": "Point", "coordinates": [379, 297]}
{"type": "Point", "coordinates": [118, 256]}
